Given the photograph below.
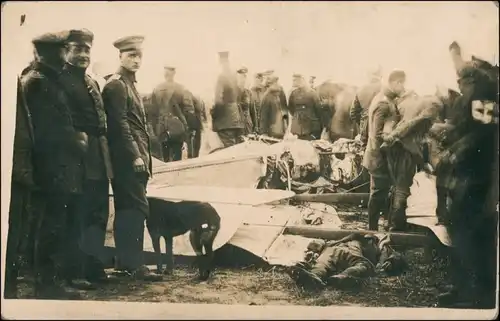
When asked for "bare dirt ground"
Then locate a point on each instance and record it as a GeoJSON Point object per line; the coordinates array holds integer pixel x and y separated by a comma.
{"type": "Point", "coordinates": [417, 287]}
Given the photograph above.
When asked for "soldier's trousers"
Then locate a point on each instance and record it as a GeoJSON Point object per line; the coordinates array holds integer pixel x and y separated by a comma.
{"type": "Point", "coordinates": [172, 151]}
{"type": "Point", "coordinates": [402, 168]}
{"type": "Point", "coordinates": [131, 210]}
{"type": "Point", "coordinates": [194, 144]}
{"type": "Point", "coordinates": [380, 185]}
{"type": "Point", "coordinates": [87, 231]}
{"type": "Point", "coordinates": [231, 136]}
{"type": "Point", "coordinates": [18, 221]}
{"type": "Point", "coordinates": [337, 260]}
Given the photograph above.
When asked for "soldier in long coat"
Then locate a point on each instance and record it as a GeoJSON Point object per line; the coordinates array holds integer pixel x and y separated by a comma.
{"type": "Point", "coordinates": [257, 90]}
{"type": "Point", "coordinates": [269, 77]}
{"type": "Point", "coordinates": [382, 118]}
{"type": "Point", "coordinates": [58, 151]}
{"type": "Point", "coordinates": [226, 117]}
{"type": "Point", "coordinates": [174, 115]}
{"type": "Point", "coordinates": [22, 185]}
{"type": "Point", "coordinates": [274, 115]}
{"type": "Point", "coordinates": [130, 152]}
{"type": "Point", "coordinates": [86, 230]}
{"type": "Point", "coordinates": [245, 103]}
{"type": "Point", "coordinates": [305, 108]}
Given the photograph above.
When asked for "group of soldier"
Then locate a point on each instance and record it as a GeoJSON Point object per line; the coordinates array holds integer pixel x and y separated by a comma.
{"type": "Point", "coordinates": [73, 138]}
{"type": "Point", "coordinates": [176, 117]}
{"type": "Point", "coordinates": [264, 109]}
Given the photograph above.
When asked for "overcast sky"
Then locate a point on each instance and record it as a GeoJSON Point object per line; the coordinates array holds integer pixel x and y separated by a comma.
{"type": "Point", "coordinates": [332, 40]}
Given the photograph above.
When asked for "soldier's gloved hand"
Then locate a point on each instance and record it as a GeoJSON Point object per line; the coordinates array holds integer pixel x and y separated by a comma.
{"type": "Point", "coordinates": [139, 165]}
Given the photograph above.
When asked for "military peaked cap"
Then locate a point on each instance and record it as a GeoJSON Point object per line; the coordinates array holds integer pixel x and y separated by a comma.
{"type": "Point", "coordinates": [297, 76]}
{"type": "Point", "coordinates": [80, 37]}
{"type": "Point", "coordinates": [129, 43]}
{"type": "Point", "coordinates": [242, 70]}
{"type": "Point", "coordinates": [55, 38]}
{"type": "Point", "coordinates": [168, 67]}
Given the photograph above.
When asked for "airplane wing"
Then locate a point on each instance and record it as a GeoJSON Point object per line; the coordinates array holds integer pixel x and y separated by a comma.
{"type": "Point", "coordinates": [218, 195]}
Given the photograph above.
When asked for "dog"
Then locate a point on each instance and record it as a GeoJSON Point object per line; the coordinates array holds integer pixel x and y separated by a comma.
{"type": "Point", "coordinates": [170, 219]}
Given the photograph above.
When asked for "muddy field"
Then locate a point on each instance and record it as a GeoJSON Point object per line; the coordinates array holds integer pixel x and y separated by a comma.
{"type": "Point", "coordinates": [417, 287]}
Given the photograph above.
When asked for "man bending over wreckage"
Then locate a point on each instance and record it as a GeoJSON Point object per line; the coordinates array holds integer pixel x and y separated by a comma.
{"type": "Point", "coordinates": [344, 263]}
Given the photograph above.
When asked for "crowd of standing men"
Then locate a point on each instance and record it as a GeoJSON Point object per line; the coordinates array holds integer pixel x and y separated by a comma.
{"type": "Point", "coordinates": [177, 117]}
{"type": "Point", "coordinates": [73, 138]}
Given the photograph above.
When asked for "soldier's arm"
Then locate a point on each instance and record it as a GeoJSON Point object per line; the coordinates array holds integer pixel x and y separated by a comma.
{"type": "Point", "coordinates": [219, 90]}
{"type": "Point", "coordinates": [291, 103]}
{"type": "Point", "coordinates": [379, 117]}
{"type": "Point", "coordinates": [203, 110]}
{"type": "Point", "coordinates": [253, 113]}
{"type": "Point", "coordinates": [187, 106]}
{"type": "Point", "coordinates": [318, 110]}
{"type": "Point", "coordinates": [283, 98]}
{"type": "Point", "coordinates": [115, 103]}
{"type": "Point", "coordinates": [363, 125]}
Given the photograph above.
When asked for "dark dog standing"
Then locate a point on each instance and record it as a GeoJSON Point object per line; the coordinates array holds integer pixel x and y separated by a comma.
{"type": "Point", "coordinates": [170, 219]}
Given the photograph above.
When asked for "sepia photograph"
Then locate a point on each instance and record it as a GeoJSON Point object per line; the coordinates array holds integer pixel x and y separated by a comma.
{"type": "Point", "coordinates": [250, 160]}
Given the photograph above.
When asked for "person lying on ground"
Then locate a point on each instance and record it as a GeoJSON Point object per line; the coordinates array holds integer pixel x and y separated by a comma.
{"type": "Point", "coordinates": [346, 262]}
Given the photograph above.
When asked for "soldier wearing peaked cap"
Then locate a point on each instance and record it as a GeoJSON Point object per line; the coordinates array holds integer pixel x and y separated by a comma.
{"type": "Point", "coordinates": [173, 116]}
{"type": "Point", "coordinates": [130, 151]}
{"type": "Point", "coordinates": [85, 243]}
{"type": "Point", "coordinates": [305, 108]}
{"type": "Point", "coordinates": [226, 117]}
{"type": "Point", "coordinates": [57, 153]}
